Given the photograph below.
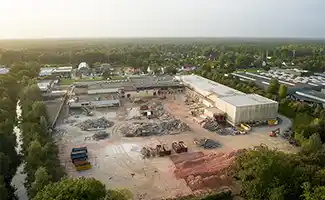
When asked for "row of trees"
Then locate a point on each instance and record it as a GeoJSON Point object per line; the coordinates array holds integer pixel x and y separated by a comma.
{"type": "Point", "coordinates": [40, 153]}
{"type": "Point", "coordinates": [9, 159]}
{"type": "Point", "coordinates": [266, 174]}
{"type": "Point", "coordinates": [157, 54]}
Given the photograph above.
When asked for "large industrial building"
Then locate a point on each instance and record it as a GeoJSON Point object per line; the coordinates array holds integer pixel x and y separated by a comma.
{"type": "Point", "coordinates": [237, 106]}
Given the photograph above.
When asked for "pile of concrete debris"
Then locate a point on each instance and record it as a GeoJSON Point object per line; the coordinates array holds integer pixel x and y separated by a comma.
{"type": "Point", "coordinates": [100, 123]}
{"type": "Point", "coordinates": [99, 135]}
{"type": "Point", "coordinates": [210, 124]}
{"type": "Point", "coordinates": [207, 143]}
{"type": "Point", "coordinates": [158, 109]}
{"type": "Point", "coordinates": [171, 126]}
{"type": "Point", "coordinates": [226, 131]}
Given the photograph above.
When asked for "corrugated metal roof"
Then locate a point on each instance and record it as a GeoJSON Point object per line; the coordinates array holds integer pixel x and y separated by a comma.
{"type": "Point", "coordinates": [103, 91]}
{"type": "Point", "coordinates": [207, 86]}
{"type": "Point", "coordinates": [247, 100]}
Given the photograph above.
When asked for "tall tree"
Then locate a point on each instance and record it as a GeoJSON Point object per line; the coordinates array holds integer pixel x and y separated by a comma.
{"type": "Point", "coordinates": [273, 86]}
{"type": "Point", "coordinates": [81, 189]}
{"type": "Point", "coordinates": [283, 91]}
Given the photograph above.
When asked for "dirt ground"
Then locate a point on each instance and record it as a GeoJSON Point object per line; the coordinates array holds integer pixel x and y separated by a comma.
{"type": "Point", "coordinates": [118, 163]}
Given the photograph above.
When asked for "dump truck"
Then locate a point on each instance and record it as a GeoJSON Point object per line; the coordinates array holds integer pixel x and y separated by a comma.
{"type": "Point", "coordinates": [246, 127]}
{"type": "Point", "coordinates": [183, 146]}
{"type": "Point", "coordinates": [166, 149]}
{"type": "Point", "coordinates": [160, 150]}
{"type": "Point", "coordinates": [177, 148]}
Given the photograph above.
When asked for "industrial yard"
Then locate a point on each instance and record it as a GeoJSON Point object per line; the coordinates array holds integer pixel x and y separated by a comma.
{"type": "Point", "coordinates": [138, 144]}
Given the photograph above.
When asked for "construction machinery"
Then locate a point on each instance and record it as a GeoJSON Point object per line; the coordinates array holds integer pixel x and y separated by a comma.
{"type": "Point", "coordinates": [176, 147]}
{"type": "Point", "coordinates": [183, 146]}
{"type": "Point", "coordinates": [246, 127]}
{"type": "Point", "coordinates": [161, 150]}
{"type": "Point", "coordinates": [87, 111]}
{"type": "Point", "coordinates": [272, 122]}
{"type": "Point", "coordinates": [275, 132]}
{"type": "Point", "coordinates": [166, 149]}
{"type": "Point", "coordinates": [179, 147]}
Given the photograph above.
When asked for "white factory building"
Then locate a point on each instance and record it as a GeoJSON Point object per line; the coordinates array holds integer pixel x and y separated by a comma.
{"type": "Point", "coordinates": [238, 106]}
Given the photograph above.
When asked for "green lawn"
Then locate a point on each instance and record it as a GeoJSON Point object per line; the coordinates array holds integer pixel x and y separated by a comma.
{"type": "Point", "coordinates": [66, 81]}
{"type": "Point", "coordinates": [91, 79]}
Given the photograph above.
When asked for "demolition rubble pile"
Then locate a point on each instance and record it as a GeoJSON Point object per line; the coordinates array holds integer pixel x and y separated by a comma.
{"type": "Point", "coordinates": [210, 124]}
{"type": "Point", "coordinates": [100, 123]}
{"type": "Point", "coordinates": [225, 131]}
{"type": "Point", "coordinates": [161, 127]}
{"type": "Point", "coordinates": [204, 171]}
{"type": "Point", "coordinates": [99, 135]}
{"type": "Point", "coordinates": [207, 143]}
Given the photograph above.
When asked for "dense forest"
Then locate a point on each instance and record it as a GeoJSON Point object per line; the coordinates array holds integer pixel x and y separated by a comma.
{"type": "Point", "coordinates": [262, 173]}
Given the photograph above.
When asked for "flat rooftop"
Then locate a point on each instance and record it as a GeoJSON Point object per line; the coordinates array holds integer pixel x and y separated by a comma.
{"type": "Point", "coordinates": [143, 81]}
{"type": "Point", "coordinates": [208, 87]}
{"type": "Point", "coordinates": [247, 100]}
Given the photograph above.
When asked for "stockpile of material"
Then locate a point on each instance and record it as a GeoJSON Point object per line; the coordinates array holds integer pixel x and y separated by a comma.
{"type": "Point", "coordinates": [158, 109]}
{"type": "Point", "coordinates": [210, 124]}
{"type": "Point", "coordinates": [171, 126]}
{"type": "Point", "coordinates": [226, 131]}
{"type": "Point", "coordinates": [100, 123]}
{"type": "Point", "coordinates": [204, 171]}
{"type": "Point", "coordinates": [207, 143]}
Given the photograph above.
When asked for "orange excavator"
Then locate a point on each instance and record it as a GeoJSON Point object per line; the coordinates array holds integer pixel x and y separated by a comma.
{"type": "Point", "coordinates": [275, 132]}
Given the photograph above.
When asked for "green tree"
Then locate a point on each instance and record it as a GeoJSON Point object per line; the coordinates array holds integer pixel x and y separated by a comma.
{"type": "Point", "coordinates": [316, 193]}
{"type": "Point", "coordinates": [313, 144]}
{"type": "Point", "coordinates": [3, 191]}
{"type": "Point", "coordinates": [266, 174]}
{"type": "Point", "coordinates": [283, 90]}
{"type": "Point", "coordinates": [42, 178]}
{"type": "Point", "coordinates": [81, 189]}
{"type": "Point", "coordinates": [273, 86]}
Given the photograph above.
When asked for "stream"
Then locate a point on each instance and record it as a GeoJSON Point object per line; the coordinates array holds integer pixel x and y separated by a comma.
{"type": "Point", "coordinates": [19, 179]}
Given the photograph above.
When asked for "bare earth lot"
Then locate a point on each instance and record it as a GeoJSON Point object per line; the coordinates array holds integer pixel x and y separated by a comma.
{"type": "Point", "coordinates": [118, 163]}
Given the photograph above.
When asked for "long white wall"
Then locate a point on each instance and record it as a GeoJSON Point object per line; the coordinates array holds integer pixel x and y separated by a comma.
{"type": "Point", "coordinates": [256, 112]}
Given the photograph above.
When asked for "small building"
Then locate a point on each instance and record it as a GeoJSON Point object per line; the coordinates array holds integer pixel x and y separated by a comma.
{"type": "Point", "coordinates": [3, 70]}
{"type": "Point", "coordinates": [46, 71]}
{"type": "Point", "coordinates": [83, 69]}
{"type": "Point", "coordinates": [63, 72]}
{"type": "Point", "coordinates": [104, 91]}
{"type": "Point", "coordinates": [45, 85]}
{"type": "Point", "coordinates": [95, 104]}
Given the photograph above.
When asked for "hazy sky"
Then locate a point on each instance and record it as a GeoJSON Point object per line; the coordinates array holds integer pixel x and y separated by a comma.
{"type": "Point", "coordinates": [162, 18]}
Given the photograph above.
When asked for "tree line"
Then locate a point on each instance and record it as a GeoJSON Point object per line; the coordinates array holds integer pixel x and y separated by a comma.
{"type": "Point", "coordinates": [9, 158]}
{"type": "Point", "coordinates": [157, 54]}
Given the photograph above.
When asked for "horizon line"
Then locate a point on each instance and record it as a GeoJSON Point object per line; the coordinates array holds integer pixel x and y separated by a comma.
{"type": "Point", "coordinates": [166, 37]}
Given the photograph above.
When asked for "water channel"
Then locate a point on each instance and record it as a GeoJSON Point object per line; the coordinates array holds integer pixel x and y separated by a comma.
{"type": "Point", "coordinates": [19, 179]}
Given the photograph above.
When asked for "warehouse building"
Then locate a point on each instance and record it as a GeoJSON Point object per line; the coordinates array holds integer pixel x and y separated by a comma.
{"type": "Point", "coordinates": [237, 106]}
{"type": "Point", "coordinates": [95, 104]}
